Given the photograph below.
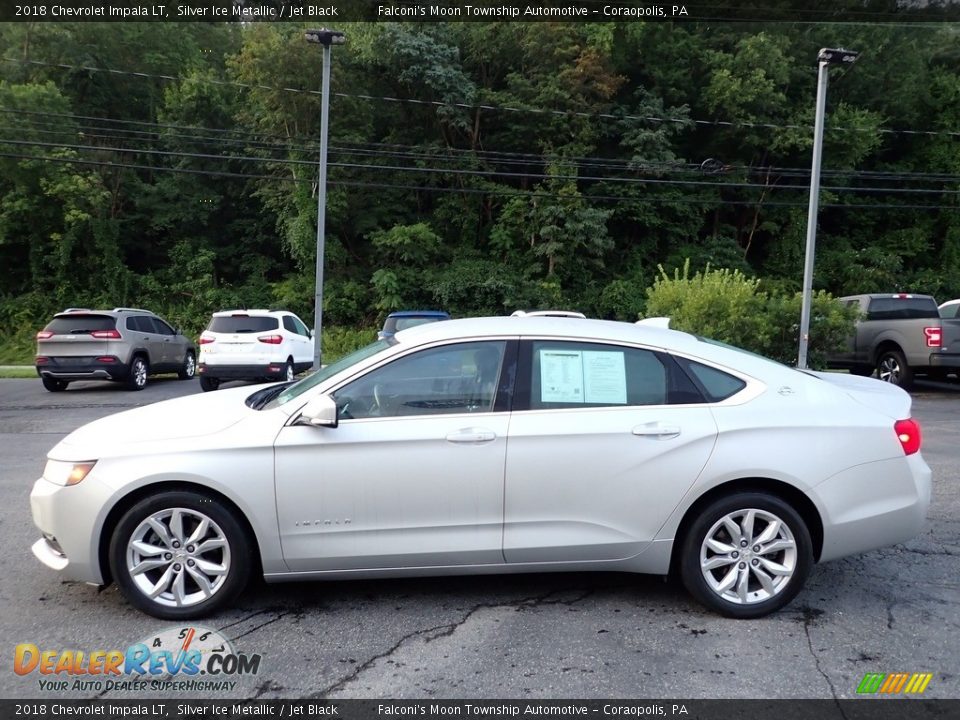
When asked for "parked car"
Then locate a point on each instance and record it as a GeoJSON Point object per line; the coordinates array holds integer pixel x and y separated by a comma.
{"type": "Point", "coordinates": [949, 309]}
{"type": "Point", "coordinates": [123, 345]}
{"type": "Point", "coordinates": [403, 319]}
{"type": "Point", "coordinates": [254, 345]}
{"type": "Point", "coordinates": [492, 445]}
{"type": "Point", "coordinates": [900, 335]}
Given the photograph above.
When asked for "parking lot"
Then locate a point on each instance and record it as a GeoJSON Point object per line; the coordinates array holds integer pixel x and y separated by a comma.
{"type": "Point", "coordinates": [536, 636]}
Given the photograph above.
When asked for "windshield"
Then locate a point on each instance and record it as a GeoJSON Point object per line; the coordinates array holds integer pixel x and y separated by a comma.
{"type": "Point", "coordinates": [311, 381]}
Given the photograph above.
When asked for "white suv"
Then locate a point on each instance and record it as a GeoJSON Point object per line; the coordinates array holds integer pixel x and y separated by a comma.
{"type": "Point", "coordinates": [253, 345]}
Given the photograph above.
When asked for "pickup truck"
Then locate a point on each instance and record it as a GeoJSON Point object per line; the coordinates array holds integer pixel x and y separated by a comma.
{"type": "Point", "coordinates": [900, 335]}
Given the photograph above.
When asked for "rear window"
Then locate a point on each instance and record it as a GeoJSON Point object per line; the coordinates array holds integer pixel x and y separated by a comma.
{"type": "Point", "coordinates": [242, 324]}
{"type": "Point", "coordinates": [897, 308]}
{"type": "Point", "coordinates": [80, 324]}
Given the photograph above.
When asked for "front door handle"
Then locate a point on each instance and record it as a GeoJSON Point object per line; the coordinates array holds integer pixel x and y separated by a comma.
{"type": "Point", "coordinates": [471, 436]}
{"type": "Point", "coordinates": [657, 430]}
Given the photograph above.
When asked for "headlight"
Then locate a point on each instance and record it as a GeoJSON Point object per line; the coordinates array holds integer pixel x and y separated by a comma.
{"type": "Point", "coordinates": [67, 473]}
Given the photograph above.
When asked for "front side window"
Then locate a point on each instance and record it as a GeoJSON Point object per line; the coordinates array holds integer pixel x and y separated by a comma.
{"type": "Point", "coordinates": [460, 378]}
{"type": "Point", "coordinates": [576, 375]}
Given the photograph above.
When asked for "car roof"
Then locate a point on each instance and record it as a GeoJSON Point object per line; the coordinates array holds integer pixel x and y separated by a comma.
{"type": "Point", "coordinates": [566, 327]}
{"type": "Point", "coordinates": [258, 311]}
{"type": "Point", "coordinates": [115, 312]}
{"type": "Point", "coordinates": [419, 313]}
{"type": "Point", "coordinates": [874, 296]}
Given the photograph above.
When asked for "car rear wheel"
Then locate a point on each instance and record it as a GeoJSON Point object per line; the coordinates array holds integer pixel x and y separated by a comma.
{"type": "Point", "coordinates": [288, 373]}
{"type": "Point", "coordinates": [54, 385]}
{"type": "Point", "coordinates": [892, 368]}
{"type": "Point", "coordinates": [208, 383]}
{"type": "Point", "coordinates": [179, 555]}
{"type": "Point", "coordinates": [189, 368]}
{"type": "Point", "coordinates": [137, 379]}
{"type": "Point", "coordinates": [746, 555]}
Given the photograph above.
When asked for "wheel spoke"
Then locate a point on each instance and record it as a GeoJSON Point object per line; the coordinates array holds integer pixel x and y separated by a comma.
{"type": "Point", "coordinates": [774, 567]}
{"type": "Point", "coordinates": [179, 592]}
{"type": "Point", "coordinates": [198, 534]}
{"type": "Point", "coordinates": [776, 546]}
{"type": "Point", "coordinates": [769, 532]}
{"type": "Point", "coordinates": [719, 547]}
{"type": "Point", "coordinates": [742, 584]}
{"type": "Point", "coordinates": [717, 561]}
{"type": "Point", "coordinates": [209, 568]}
{"type": "Point", "coordinates": [747, 524]}
{"type": "Point", "coordinates": [733, 529]}
{"type": "Point", "coordinates": [146, 548]}
{"type": "Point", "coordinates": [211, 544]}
{"type": "Point", "coordinates": [201, 580]}
{"type": "Point", "coordinates": [765, 580]}
{"type": "Point", "coordinates": [176, 525]}
{"type": "Point", "coordinates": [145, 565]}
{"type": "Point", "coordinates": [729, 580]}
{"type": "Point", "coordinates": [163, 583]}
{"type": "Point", "coordinates": [160, 530]}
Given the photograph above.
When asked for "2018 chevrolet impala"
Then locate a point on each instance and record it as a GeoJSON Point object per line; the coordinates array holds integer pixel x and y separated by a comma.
{"type": "Point", "coordinates": [518, 444]}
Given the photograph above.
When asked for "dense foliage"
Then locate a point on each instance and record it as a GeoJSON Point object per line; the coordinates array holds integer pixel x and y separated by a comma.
{"type": "Point", "coordinates": [475, 167]}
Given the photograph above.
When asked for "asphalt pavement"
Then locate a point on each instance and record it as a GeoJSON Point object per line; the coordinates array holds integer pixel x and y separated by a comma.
{"type": "Point", "coordinates": [528, 636]}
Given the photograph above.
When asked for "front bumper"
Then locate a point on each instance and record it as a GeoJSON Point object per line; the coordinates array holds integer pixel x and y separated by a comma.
{"type": "Point", "coordinates": [68, 517]}
{"type": "Point", "coordinates": [873, 505]}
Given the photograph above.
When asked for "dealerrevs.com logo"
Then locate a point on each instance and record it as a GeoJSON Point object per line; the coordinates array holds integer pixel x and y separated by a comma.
{"type": "Point", "coordinates": [178, 659]}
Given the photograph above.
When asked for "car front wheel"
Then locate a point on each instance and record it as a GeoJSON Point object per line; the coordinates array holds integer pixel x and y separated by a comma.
{"type": "Point", "coordinates": [179, 555]}
{"type": "Point", "coordinates": [746, 555]}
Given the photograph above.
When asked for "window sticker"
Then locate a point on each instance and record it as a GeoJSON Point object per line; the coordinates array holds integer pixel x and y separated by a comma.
{"type": "Point", "coordinates": [604, 378]}
{"type": "Point", "coordinates": [561, 376]}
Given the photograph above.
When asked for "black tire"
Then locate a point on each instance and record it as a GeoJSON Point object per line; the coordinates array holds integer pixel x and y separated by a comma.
{"type": "Point", "coordinates": [861, 370]}
{"type": "Point", "coordinates": [208, 383]}
{"type": "Point", "coordinates": [760, 601]}
{"type": "Point", "coordinates": [236, 555]}
{"type": "Point", "coordinates": [189, 369]}
{"type": "Point", "coordinates": [139, 369]}
{"type": "Point", "coordinates": [54, 385]}
{"type": "Point", "coordinates": [289, 373]}
{"type": "Point", "coordinates": [892, 368]}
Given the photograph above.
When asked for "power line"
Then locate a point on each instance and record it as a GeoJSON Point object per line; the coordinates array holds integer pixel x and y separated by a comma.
{"type": "Point", "coordinates": [477, 106]}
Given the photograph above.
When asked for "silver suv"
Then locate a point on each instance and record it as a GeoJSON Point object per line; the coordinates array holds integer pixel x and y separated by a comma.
{"type": "Point", "coordinates": [123, 345]}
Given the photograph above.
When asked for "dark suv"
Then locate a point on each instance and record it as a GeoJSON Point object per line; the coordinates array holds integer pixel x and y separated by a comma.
{"type": "Point", "coordinates": [123, 345]}
{"type": "Point", "coordinates": [403, 319]}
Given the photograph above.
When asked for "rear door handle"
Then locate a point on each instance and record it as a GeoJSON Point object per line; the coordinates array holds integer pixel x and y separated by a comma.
{"type": "Point", "coordinates": [656, 430]}
{"type": "Point", "coordinates": [472, 436]}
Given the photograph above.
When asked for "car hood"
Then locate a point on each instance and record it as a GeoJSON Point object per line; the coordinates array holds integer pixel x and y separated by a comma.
{"type": "Point", "coordinates": [187, 417]}
{"type": "Point", "coordinates": [881, 396]}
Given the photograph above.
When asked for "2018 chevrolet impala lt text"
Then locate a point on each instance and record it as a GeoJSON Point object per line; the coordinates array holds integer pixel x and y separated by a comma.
{"type": "Point", "coordinates": [520, 444]}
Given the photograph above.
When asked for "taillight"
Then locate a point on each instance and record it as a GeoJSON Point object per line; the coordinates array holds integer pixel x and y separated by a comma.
{"type": "Point", "coordinates": [42, 360]}
{"type": "Point", "coordinates": [271, 339]}
{"type": "Point", "coordinates": [206, 339]}
{"type": "Point", "coordinates": [44, 335]}
{"type": "Point", "coordinates": [106, 334]}
{"type": "Point", "coordinates": [106, 359]}
{"type": "Point", "coordinates": [908, 433]}
{"type": "Point", "coordinates": [934, 336]}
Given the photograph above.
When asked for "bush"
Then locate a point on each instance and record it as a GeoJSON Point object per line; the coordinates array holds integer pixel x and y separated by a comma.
{"type": "Point", "coordinates": [341, 341]}
{"type": "Point", "coordinates": [728, 306]}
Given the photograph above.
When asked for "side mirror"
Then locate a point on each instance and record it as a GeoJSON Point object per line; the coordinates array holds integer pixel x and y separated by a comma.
{"type": "Point", "coordinates": [311, 334]}
{"type": "Point", "coordinates": [319, 412]}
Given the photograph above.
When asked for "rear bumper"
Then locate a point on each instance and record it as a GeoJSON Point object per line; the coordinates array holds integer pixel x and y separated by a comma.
{"type": "Point", "coordinates": [873, 505]}
{"type": "Point", "coordinates": [945, 360]}
{"type": "Point", "coordinates": [86, 369]}
{"type": "Point", "coordinates": [242, 372]}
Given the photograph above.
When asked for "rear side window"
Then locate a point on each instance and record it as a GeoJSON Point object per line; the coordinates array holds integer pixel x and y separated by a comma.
{"type": "Point", "coordinates": [575, 375]}
{"type": "Point", "coordinates": [897, 308]}
{"type": "Point", "coordinates": [289, 325]}
{"type": "Point", "coordinates": [717, 385]}
{"type": "Point", "coordinates": [242, 324]}
{"type": "Point", "coordinates": [80, 324]}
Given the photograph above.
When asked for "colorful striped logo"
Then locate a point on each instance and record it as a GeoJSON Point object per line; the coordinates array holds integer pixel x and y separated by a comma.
{"type": "Point", "coordinates": [893, 683]}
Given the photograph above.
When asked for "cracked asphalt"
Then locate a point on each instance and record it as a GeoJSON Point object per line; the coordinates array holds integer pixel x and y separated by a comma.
{"type": "Point", "coordinates": [526, 636]}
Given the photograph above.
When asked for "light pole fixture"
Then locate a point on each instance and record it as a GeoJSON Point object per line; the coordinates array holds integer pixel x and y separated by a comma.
{"type": "Point", "coordinates": [324, 37]}
{"type": "Point", "coordinates": [826, 57]}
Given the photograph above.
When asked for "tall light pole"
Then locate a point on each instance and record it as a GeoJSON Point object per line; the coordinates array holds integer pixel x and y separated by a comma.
{"type": "Point", "coordinates": [826, 58]}
{"type": "Point", "coordinates": [324, 37]}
